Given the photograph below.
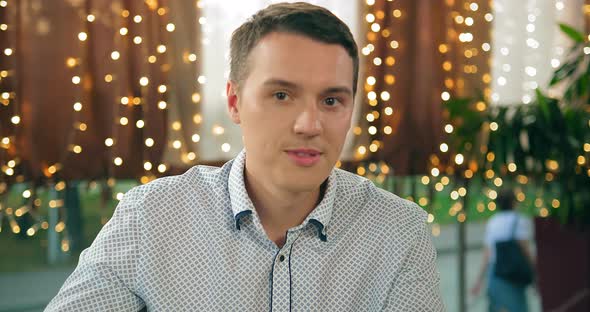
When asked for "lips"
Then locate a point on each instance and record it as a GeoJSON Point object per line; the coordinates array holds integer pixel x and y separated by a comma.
{"type": "Point", "coordinates": [304, 157]}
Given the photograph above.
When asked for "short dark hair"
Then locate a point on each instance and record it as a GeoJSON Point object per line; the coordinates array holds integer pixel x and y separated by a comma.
{"type": "Point", "coordinates": [505, 199]}
{"type": "Point", "coordinates": [299, 18]}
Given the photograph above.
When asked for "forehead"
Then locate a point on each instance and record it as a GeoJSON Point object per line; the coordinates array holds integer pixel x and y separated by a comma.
{"type": "Point", "coordinates": [301, 60]}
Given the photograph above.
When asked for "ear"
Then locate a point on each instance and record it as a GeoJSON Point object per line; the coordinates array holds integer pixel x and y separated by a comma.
{"type": "Point", "coordinates": [231, 91]}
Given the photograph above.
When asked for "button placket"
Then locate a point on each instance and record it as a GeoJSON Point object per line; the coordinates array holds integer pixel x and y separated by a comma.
{"type": "Point", "coordinates": [281, 275]}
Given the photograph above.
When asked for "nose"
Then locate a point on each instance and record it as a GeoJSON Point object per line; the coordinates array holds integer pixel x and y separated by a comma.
{"type": "Point", "coordinates": [308, 121]}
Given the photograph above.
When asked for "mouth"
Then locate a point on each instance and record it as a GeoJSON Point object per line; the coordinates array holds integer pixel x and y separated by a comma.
{"type": "Point", "coordinates": [304, 157]}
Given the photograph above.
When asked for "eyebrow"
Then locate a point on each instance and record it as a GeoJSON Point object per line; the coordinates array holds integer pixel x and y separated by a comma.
{"type": "Point", "coordinates": [292, 85]}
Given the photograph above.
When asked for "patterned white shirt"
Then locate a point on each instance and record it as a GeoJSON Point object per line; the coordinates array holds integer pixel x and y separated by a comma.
{"type": "Point", "coordinates": [194, 242]}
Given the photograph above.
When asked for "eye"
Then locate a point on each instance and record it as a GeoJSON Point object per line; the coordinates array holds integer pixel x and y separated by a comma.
{"type": "Point", "coordinates": [281, 96]}
{"type": "Point", "coordinates": [331, 101]}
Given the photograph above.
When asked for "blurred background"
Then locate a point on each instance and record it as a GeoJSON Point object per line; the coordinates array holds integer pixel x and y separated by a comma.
{"type": "Point", "coordinates": [458, 99]}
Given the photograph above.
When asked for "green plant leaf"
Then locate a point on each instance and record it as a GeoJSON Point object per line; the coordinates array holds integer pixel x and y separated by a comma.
{"type": "Point", "coordinates": [571, 32]}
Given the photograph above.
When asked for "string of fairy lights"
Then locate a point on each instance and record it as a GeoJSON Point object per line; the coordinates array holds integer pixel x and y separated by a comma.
{"type": "Point", "coordinates": [8, 96]}
{"type": "Point", "coordinates": [157, 58]}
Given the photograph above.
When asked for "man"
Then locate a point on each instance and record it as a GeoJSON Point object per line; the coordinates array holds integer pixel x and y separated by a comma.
{"type": "Point", "coordinates": [278, 227]}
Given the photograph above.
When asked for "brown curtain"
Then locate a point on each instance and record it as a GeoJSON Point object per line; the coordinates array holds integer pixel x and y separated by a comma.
{"type": "Point", "coordinates": [124, 78]}
{"type": "Point", "coordinates": [420, 56]}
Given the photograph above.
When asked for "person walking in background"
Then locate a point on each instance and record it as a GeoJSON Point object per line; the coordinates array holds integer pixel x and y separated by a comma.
{"type": "Point", "coordinates": [507, 225]}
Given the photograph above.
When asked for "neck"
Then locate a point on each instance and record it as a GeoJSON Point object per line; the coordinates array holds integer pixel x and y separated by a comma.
{"type": "Point", "coordinates": [279, 209]}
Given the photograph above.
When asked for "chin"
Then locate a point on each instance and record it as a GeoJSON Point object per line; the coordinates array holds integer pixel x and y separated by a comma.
{"type": "Point", "coordinates": [303, 182]}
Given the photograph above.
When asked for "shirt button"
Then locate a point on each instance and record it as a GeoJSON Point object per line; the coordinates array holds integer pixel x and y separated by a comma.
{"type": "Point", "coordinates": [281, 258]}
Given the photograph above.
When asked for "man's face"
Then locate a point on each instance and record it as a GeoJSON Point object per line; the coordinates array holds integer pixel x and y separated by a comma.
{"type": "Point", "coordinates": [294, 108]}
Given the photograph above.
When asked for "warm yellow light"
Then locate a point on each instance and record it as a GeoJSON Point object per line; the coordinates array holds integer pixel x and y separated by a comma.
{"type": "Point", "coordinates": [123, 121]}
{"type": "Point", "coordinates": [449, 128]}
{"type": "Point", "coordinates": [115, 55]}
{"type": "Point", "coordinates": [108, 78]}
{"type": "Point", "coordinates": [425, 180]}
{"type": "Point", "coordinates": [375, 27]}
{"type": "Point", "coordinates": [176, 125]}
{"type": "Point", "coordinates": [161, 48]}
{"type": "Point", "coordinates": [162, 168]}
{"type": "Point", "coordinates": [493, 126]}
{"type": "Point", "coordinates": [481, 106]}
{"type": "Point", "coordinates": [512, 167]}
{"type": "Point", "coordinates": [82, 36]}
{"type": "Point", "coordinates": [177, 144]}
{"type": "Point", "coordinates": [459, 159]}
{"type": "Point", "coordinates": [397, 13]}
{"type": "Point", "coordinates": [77, 149]}
{"type": "Point", "coordinates": [434, 172]}
{"type": "Point", "coordinates": [123, 31]}
{"type": "Point", "coordinates": [387, 130]}
{"type": "Point", "coordinates": [140, 124]}
{"type": "Point", "coordinates": [15, 120]}
{"type": "Point", "coordinates": [77, 106]}
{"type": "Point", "coordinates": [149, 142]}
{"type": "Point", "coordinates": [162, 105]}
{"type": "Point", "coordinates": [197, 119]}
{"type": "Point", "coordinates": [372, 130]}
{"type": "Point", "coordinates": [385, 96]}
{"type": "Point", "coordinates": [137, 19]}
{"type": "Point", "coordinates": [361, 150]}
{"type": "Point", "coordinates": [162, 88]}
{"type": "Point", "coordinates": [118, 161]}
{"type": "Point", "coordinates": [225, 147]}
{"type": "Point", "coordinates": [196, 138]}
{"type": "Point", "coordinates": [170, 27]}
{"type": "Point", "coordinates": [444, 147]}
{"type": "Point", "coordinates": [137, 40]}
{"type": "Point", "coordinates": [218, 130]}
{"type": "Point", "coordinates": [196, 97]}
{"type": "Point", "coordinates": [76, 80]}
{"type": "Point", "coordinates": [144, 81]}
{"type": "Point", "coordinates": [90, 18]}
{"type": "Point", "coordinates": [447, 66]}
{"type": "Point", "coordinates": [147, 166]}
{"type": "Point", "coordinates": [152, 59]}
{"type": "Point", "coordinates": [109, 142]}
{"type": "Point", "coordinates": [71, 62]}
{"type": "Point", "coordinates": [192, 57]}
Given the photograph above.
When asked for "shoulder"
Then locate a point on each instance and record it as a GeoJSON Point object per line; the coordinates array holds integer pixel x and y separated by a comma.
{"type": "Point", "coordinates": [385, 211]}
{"type": "Point", "coordinates": [195, 181]}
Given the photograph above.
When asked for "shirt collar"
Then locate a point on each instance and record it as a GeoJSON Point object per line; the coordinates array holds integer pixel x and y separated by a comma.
{"type": "Point", "coordinates": [242, 205]}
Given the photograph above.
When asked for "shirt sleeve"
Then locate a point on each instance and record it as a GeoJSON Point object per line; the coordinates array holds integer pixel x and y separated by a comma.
{"type": "Point", "coordinates": [417, 286]}
{"type": "Point", "coordinates": [104, 279]}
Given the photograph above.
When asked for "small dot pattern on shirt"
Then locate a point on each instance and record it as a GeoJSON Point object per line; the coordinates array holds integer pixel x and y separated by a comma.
{"type": "Point", "coordinates": [194, 242]}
